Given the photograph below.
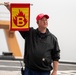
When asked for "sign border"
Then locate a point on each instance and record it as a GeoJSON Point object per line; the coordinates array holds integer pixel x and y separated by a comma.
{"type": "Point", "coordinates": [19, 5]}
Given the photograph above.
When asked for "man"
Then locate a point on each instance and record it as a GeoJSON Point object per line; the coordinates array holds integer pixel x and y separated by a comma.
{"type": "Point", "coordinates": [41, 48]}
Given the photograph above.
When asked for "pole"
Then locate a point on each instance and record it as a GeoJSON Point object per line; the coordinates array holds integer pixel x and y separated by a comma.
{"type": "Point", "coordinates": [4, 4]}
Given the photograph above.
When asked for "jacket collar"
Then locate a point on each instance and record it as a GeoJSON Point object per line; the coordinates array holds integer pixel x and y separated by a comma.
{"type": "Point", "coordinates": [42, 35]}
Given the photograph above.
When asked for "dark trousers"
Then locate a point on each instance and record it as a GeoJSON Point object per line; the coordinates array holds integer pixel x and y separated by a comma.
{"type": "Point", "coordinates": [32, 72]}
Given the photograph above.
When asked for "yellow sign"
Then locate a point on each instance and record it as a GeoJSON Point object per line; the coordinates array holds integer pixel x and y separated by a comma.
{"type": "Point", "coordinates": [20, 17]}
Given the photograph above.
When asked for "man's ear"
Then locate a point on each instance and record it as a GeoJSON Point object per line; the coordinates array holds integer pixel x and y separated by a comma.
{"type": "Point", "coordinates": [37, 22]}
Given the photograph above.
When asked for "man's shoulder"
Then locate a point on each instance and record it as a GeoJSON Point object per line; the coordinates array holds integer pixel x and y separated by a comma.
{"type": "Point", "coordinates": [53, 36]}
{"type": "Point", "coordinates": [31, 28]}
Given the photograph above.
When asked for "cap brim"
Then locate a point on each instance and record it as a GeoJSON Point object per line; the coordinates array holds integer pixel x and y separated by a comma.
{"type": "Point", "coordinates": [46, 16]}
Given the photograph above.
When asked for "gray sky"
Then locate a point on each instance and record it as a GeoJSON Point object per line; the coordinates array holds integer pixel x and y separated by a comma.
{"type": "Point", "coordinates": [62, 23]}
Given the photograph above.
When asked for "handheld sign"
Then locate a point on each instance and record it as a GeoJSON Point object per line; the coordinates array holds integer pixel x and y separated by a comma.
{"type": "Point", "coordinates": [20, 16]}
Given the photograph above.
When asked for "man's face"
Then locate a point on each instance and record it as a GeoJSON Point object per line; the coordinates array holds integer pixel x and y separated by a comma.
{"type": "Point", "coordinates": [43, 23]}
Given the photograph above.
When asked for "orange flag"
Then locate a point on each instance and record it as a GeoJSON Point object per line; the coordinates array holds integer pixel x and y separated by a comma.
{"type": "Point", "coordinates": [20, 16]}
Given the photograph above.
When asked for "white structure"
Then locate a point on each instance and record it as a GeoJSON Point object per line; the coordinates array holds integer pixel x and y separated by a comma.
{"type": "Point", "coordinates": [62, 24]}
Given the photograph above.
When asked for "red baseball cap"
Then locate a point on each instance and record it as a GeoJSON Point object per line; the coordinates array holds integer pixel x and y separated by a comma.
{"type": "Point", "coordinates": [39, 16]}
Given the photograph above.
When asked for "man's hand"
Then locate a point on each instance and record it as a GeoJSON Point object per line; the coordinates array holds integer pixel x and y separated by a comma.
{"type": "Point", "coordinates": [54, 73]}
{"type": "Point", "coordinates": [55, 68]}
{"type": "Point", "coordinates": [7, 5]}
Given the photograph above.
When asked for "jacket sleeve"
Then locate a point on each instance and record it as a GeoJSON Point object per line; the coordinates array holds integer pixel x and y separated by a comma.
{"type": "Point", "coordinates": [56, 51]}
{"type": "Point", "coordinates": [24, 34]}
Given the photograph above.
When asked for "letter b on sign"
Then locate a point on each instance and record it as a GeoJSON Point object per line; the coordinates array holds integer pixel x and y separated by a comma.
{"type": "Point", "coordinates": [20, 21]}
